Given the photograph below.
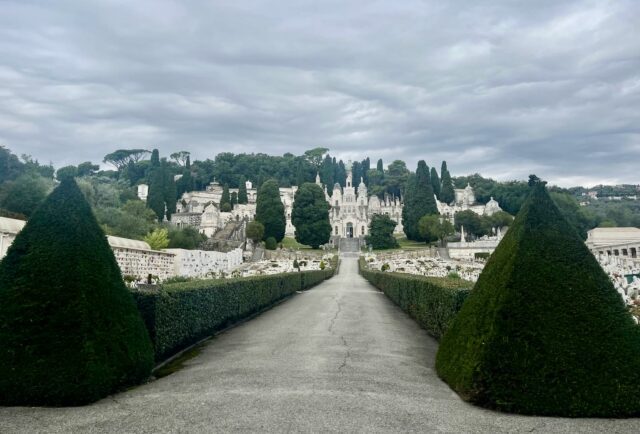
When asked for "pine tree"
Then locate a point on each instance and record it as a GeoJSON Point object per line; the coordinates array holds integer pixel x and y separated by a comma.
{"type": "Point", "coordinates": [70, 332]}
{"type": "Point", "coordinates": [435, 182]}
{"type": "Point", "coordinates": [447, 193]}
{"type": "Point", "coordinates": [242, 191]}
{"type": "Point", "coordinates": [544, 331]}
{"type": "Point", "coordinates": [310, 216]}
{"type": "Point", "coordinates": [419, 201]}
{"type": "Point", "coordinates": [270, 210]}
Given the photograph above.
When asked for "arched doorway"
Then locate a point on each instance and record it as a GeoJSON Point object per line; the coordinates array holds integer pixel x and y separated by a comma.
{"type": "Point", "coordinates": [349, 232]}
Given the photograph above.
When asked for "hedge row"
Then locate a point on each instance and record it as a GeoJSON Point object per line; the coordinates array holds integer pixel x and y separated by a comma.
{"type": "Point", "coordinates": [181, 314]}
{"type": "Point", "coordinates": [432, 301]}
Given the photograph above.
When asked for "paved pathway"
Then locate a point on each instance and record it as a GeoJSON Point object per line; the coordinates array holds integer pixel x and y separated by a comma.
{"type": "Point", "coordinates": [340, 357]}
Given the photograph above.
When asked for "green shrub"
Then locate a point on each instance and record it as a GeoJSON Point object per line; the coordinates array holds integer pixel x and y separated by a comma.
{"type": "Point", "coordinates": [482, 255]}
{"type": "Point", "coordinates": [270, 243]}
{"type": "Point", "coordinates": [181, 314]}
{"type": "Point", "coordinates": [544, 331]}
{"type": "Point", "coordinates": [70, 333]}
{"type": "Point", "coordinates": [431, 301]}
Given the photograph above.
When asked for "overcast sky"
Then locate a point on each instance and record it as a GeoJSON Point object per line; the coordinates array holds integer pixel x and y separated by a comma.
{"type": "Point", "coordinates": [503, 88]}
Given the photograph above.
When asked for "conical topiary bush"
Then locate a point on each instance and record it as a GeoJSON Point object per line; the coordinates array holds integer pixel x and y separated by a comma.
{"type": "Point", "coordinates": [544, 331]}
{"type": "Point", "coordinates": [70, 332]}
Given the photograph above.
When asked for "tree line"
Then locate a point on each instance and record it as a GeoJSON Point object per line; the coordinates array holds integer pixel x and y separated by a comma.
{"type": "Point", "coordinates": [25, 182]}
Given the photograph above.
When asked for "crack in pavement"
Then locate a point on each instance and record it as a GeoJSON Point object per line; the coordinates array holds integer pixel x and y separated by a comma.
{"type": "Point", "coordinates": [333, 321]}
{"type": "Point", "coordinates": [347, 354]}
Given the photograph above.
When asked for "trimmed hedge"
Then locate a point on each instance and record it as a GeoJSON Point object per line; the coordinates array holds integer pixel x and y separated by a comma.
{"type": "Point", "coordinates": [70, 333]}
{"type": "Point", "coordinates": [544, 331]}
{"type": "Point", "coordinates": [432, 301]}
{"type": "Point", "coordinates": [181, 314]}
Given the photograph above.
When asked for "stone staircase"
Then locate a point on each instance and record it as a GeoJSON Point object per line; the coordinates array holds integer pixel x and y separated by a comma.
{"type": "Point", "coordinates": [349, 246]}
{"type": "Point", "coordinates": [230, 237]}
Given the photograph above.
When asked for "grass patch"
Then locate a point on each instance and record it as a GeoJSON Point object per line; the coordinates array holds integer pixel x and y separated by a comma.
{"type": "Point", "coordinates": [291, 243]}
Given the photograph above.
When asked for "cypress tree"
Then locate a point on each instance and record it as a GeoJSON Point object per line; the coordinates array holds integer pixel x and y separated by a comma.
{"type": "Point", "coordinates": [155, 158]}
{"type": "Point", "coordinates": [447, 194]}
{"type": "Point", "coordinates": [326, 171]}
{"type": "Point", "coordinates": [225, 198]}
{"type": "Point", "coordinates": [155, 199]}
{"type": "Point", "coordinates": [544, 331]}
{"type": "Point", "coordinates": [169, 189]}
{"type": "Point", "coordinates": [70, 332]}
{"type": "Point", "coordinates": [270, 210]}
{"type": "Point", "coordinates": [419, 201]}
{"type": "Point", "coordinates": [366, 166]}
{"type": "Point", "coordinates": [341, 175]}
{"type": "Point", "coordinates": [310, 216]}
{"type": "Point", "coordinates": [435, 182]}
{"type": "Point", "coordinates": [356, 173]}
{"type": "Point", "coordinates": [234, 199]}
{"type": "Point", "coordinates": [380, 166]}
{"type": "Point", "coordinates": [242, 191]}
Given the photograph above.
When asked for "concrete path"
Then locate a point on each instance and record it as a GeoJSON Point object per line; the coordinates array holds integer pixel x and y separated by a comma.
{"type": "Point", "coordinates": [340, 357]}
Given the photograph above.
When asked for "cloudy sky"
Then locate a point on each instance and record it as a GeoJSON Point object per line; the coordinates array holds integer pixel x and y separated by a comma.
{"type": "Point", "coordinates": [504, 88]}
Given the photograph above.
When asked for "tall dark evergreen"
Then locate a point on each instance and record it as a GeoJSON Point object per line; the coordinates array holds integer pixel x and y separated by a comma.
{"type": "Point", "coordinates": [300, 177]}
{"type": "Point", "coordinates": [225, 198]}
{"type": "Point", "coordinates": [418, 201]}
{"type": "Point", "coordinates": [169, 189]}
{"type": "Point", "coordinates": [185, 183]}
{"type": "Point", "coordinates": [447, 193]}
{"type": "Point", "coordinates": [270, 210]}
{"type": "Point", "coordinates": [380, 166]}
{"type": "Point", "coordinates": [242, 191]}
{"type": "Point", "coordinates": [327, 171]}
{"type": "Point", "coordinates": [233, 199]}
{"type": "Point", "coordinates": [70, 332]}
{"type": "Point", "coordinates": [366, 166]}
{"type": "Point", "coordinates": [310, 216]}
{"type": "Point", "coordinates": [155, 158]}
{"type": "Point", "coordinates": [356, 172]}
{"type": "Point", "coordinates": [341, 175]}
{"type": "Point", "coordinates": [435, 182]}
{"type": "Point", "coordinates": [155, 198]}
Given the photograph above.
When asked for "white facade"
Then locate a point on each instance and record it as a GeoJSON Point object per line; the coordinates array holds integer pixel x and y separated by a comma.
{"type": "Point", "coordinates": [143, 192]}
{"type": "Point", "coordinates": [203, 263]}
{"type": "Point", "coordinates": [136, 259]}
{"type": "Point", "coordinates": [465, 199]}
{"type": "Point", "coordinates": [603, 237]}
{"type": "Point", "coordinates": [352, 209]}
{"type": "Point", "coordinates": [9, 228]}
{"type": "Point", "coordinates": [350, 213]}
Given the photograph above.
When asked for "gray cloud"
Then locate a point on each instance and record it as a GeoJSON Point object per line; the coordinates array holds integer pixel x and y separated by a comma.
{"type": "Point", "coordinates": [498, 87]}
